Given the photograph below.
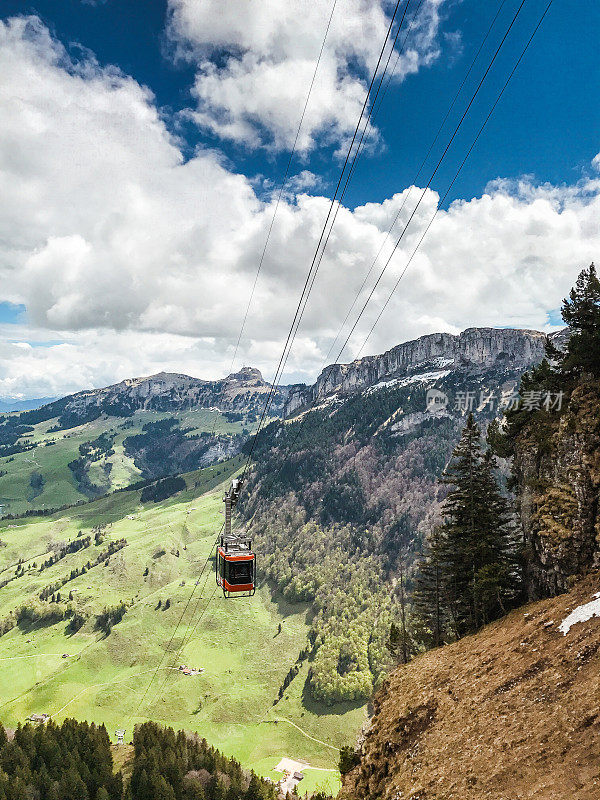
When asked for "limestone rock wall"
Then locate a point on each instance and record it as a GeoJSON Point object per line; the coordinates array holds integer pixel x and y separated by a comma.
{"type": "Point", "coordinates": [473, 350]}
{"type": "Point", "coordinates": [557, 470]}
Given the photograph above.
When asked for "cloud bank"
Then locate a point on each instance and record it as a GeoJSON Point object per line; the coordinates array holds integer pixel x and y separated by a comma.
{"type": "Point", "coordinates": [131, 259]}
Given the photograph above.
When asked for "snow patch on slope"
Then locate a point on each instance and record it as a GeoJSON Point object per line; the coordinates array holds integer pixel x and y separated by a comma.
{"type": "Point", "coordinates": [422, 377]}
{"type": "Point", "coordinates": [581, 614]}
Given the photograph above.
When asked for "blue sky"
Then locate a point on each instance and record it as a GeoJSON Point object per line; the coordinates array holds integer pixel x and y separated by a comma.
{"type": "Point", "coordinates": [140, 144]}
{"type": "Point", "coordinates": [553, 96]}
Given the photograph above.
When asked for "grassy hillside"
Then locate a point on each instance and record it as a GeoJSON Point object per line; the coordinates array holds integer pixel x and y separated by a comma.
{"type": "Point", "coordinates": [237, 642]}
{"type": "Point", "coordinates": [512, 711]}
{"type": "Point", "coordinates": [21, 489]}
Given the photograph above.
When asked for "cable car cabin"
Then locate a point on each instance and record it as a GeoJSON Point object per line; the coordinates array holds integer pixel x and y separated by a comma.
{"type": "Point", "coordinates": [236, 567]}
{"type": "Point", "coordinates": [235, 563]}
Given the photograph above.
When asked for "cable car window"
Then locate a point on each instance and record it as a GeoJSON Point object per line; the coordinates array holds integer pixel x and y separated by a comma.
{"type": "Point", "coordinates": [237, 572]}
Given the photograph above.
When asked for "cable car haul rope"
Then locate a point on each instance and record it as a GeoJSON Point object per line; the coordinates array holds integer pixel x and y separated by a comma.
{"type": "Point", "coordinates": [235, 564]}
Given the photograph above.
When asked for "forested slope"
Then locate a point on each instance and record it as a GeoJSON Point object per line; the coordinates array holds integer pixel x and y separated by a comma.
{"type": "Point", "coordinates": [96, 441]}
{"type": "Point", "coordinates": [342, 499]}
{"type": "Point", "coordinates": [74, 761]}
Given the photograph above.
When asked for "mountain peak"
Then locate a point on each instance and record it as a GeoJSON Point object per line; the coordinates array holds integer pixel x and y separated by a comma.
{"type": "Point", "coordinates": [247, 374]}
{"type": "Point", "coordinates": [169, 392]}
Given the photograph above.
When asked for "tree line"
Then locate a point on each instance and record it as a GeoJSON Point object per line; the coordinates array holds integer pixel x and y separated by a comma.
{"type": "Point", "coordinates": [73, 761]}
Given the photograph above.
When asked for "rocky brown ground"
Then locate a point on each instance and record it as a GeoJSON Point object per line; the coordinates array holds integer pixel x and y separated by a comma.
{"type": "Point", "coordinates": [511, 713]}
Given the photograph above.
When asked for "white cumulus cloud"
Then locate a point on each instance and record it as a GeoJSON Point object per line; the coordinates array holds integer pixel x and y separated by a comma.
{"type": "Point", "coordinates": [255, 62]}
{"type": "Point", "coordinates": [131, 259]}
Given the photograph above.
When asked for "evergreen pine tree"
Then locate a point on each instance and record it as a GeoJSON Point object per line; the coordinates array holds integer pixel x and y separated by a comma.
{"type": "Point", "coordinates": [427, 598]}
{"type": "Point", "coordinates": [163, 790]}
{"type": "Point", "coordinates": [71, 787]}
{"type": "Point", "coordinates": [216, 789]}
{"type": "Point", "coordinates": [469, 575]}
{"type": "Point", "coordinates": [395, 637]}
{"type": "Point", "coordinates": [194, 791]}
{"type": "Point", "coordinates": [255, 789]}
{"type": "Point", "coordinates": [581, 312]}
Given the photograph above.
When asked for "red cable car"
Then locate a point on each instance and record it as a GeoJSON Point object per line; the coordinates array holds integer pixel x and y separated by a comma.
{"type": "Point", "coordinates": [235, 562]}
{"type": "Point", "coordinates": [236, 567]}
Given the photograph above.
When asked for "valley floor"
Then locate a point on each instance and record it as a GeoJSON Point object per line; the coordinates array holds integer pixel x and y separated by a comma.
{"type": "Point", "coordinates": [236, 643]}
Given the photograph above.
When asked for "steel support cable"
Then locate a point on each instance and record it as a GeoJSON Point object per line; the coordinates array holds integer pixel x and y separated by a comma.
{"type": "Point", "coordinates": [417, 175]}
{"type": "Point", "coordinates": [186, 639]}
{"type": "Point", "coordinates": [314, 402]}
{"type": "Point", "coordinates": [343, 192]}
{"type": "Point", "coordinates": [190, 633]}
{"type": "Point", "coordinates": [308, 277]}
{"type": "Point", "coordinates": [279, 196]}
{"type": "Point", "coordinates": [291, 333]}
{"type": "Point", "coordinates": [377, 108]}
{"type": "Point", "coordinates": [373, 106]}
{"type": "Point", "coordinates": [283, 182]}
{"type": "Point", "coordinates": [431, 177]}
{"type": "Point", "coordinates": [187, 636]}
{"type": "Point", "coordinates": [349, 175]}
{"type": "Point", "coordinates": [457, 173]}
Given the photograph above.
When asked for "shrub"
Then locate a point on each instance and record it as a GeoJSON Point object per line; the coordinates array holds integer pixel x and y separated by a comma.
{"type": "Point", "coordinates": [348, 759]}
{"type": "Point", "coordinates": [77, 622]}
{"type": "Point", "coordinates": [111, 615]}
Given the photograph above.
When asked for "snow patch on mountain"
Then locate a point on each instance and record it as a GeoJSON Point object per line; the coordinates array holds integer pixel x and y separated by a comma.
{"type": "Point", "coordinates": [423, 377]}
{"type": "Point", "coordinates": [581, 614]}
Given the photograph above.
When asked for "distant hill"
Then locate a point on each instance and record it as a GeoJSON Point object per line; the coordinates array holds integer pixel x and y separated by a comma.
{"type": "Point", "coordinates": [167, 392]}
{"type": "Point", "coordinates": [95, 441]}
{"type": "Point", "coordinates": [9, 404]}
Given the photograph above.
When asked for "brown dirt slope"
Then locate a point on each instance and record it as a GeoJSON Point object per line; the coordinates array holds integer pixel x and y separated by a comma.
{"type": "Point", "coordinates": [510, 713]}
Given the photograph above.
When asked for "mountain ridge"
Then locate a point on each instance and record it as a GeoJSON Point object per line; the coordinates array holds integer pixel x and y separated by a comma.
{"type": "Point", "coordinates": [474, 350]}
{"type": "Point", "coordinates": [240, 391]}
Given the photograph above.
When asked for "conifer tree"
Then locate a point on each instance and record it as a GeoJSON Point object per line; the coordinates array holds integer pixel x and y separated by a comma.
{"type": "Point", "coordinates": [469, 575]}
{"type": "Point", "coordinates": [428, 595]}
{"type": "Point", "coordinates": [255, 789]}
{"type": "Point", "coordinates": [581, 312]}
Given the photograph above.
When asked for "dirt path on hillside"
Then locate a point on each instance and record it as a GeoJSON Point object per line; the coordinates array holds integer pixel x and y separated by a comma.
{"type": "Point", "coordinates": [304, 733]}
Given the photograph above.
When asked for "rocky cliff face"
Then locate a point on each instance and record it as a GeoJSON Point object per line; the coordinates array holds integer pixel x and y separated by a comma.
{"type": "Point", "coordinates": [473, 351]}
{"type": "Point", "coordinates": [242, 391]}
{"type": "Point", "coordinates": [557, 473]}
